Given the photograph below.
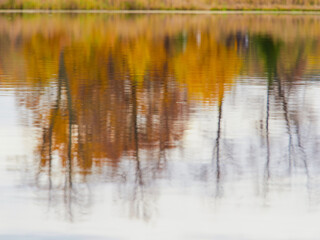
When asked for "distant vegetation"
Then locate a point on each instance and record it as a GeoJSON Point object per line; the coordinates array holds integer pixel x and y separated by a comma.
{"type": "Point", "coordinates": [162, 4]}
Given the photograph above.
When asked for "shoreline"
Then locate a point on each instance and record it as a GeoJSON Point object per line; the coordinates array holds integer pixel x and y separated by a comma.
{"type": "Point", "coordinates": [253, 11]}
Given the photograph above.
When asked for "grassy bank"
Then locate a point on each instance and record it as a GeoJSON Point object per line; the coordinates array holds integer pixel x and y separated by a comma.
{"type": "Point", "coordinates": [305, 5]}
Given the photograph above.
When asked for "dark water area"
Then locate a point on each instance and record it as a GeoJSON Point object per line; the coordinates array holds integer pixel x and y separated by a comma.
{"type": "Point", "coordinates": [159, 126]}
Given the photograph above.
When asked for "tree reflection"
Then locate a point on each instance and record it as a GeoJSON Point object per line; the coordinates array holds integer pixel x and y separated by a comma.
{"type": "Point", "coordinates": [285, 80]}
{"type": "Point", "coordinates": [113, 98]}
{"type": "Point", "coordinates": [269, 53]}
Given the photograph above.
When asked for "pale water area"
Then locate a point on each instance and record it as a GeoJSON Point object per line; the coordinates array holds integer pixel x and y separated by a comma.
{"type": "Point", "coordinates": [159, 126]}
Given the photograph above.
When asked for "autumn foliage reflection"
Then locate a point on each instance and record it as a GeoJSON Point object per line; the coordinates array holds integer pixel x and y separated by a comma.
{"type": "Point", "coordinates": [108, 92]}
{"type": "Point", "coordinates": [100, 115]}
{"type": "Point", "coordinates": [112, 95]}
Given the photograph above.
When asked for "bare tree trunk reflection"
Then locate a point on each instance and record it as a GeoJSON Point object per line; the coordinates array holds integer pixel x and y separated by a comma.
{"type": "Point", "coordinates": [269, 52]}
{"type": "Point", "coordinates": [302, 150]}
{"type": "Point", "coordinates": [138, 194]}
{"type": "Point", "coordinates": [46, 146]}
{"type": "Point", "coordinates": [286, 117]}
{"type": "Point", "coordinates": [135, 133]}
{"type": "Point", "coordinates": [68, 186]}
{"type": "Point", "coordinates": [267, 169]}
{"type": "Point", "coordinates": [47, 137]}
{"type": "Point", "coordinates": [217, 150]}
{"type": "Point", "coordinates": [268, 156]}
{"type": "Point", "coordinates": [164, 127]}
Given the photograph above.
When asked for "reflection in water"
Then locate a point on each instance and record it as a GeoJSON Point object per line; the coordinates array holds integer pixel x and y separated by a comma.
{"type": "Point", "coordinates": [150, 103]}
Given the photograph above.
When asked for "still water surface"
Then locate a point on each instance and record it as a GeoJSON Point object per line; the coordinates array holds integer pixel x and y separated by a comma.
{"type": "Point", "coordinates": [117, 126]}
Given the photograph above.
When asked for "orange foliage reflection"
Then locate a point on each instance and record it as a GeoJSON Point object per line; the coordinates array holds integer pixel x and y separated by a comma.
{"type": "Point", "coordinates": [103, 90]}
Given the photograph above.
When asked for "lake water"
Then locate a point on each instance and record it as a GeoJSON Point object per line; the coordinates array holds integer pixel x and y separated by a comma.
{"type": "Point", "coordinates": [159, 126]}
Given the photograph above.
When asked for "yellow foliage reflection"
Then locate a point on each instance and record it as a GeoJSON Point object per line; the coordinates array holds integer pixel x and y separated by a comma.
{"type": "Point", "coordinates": [207, 67]}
